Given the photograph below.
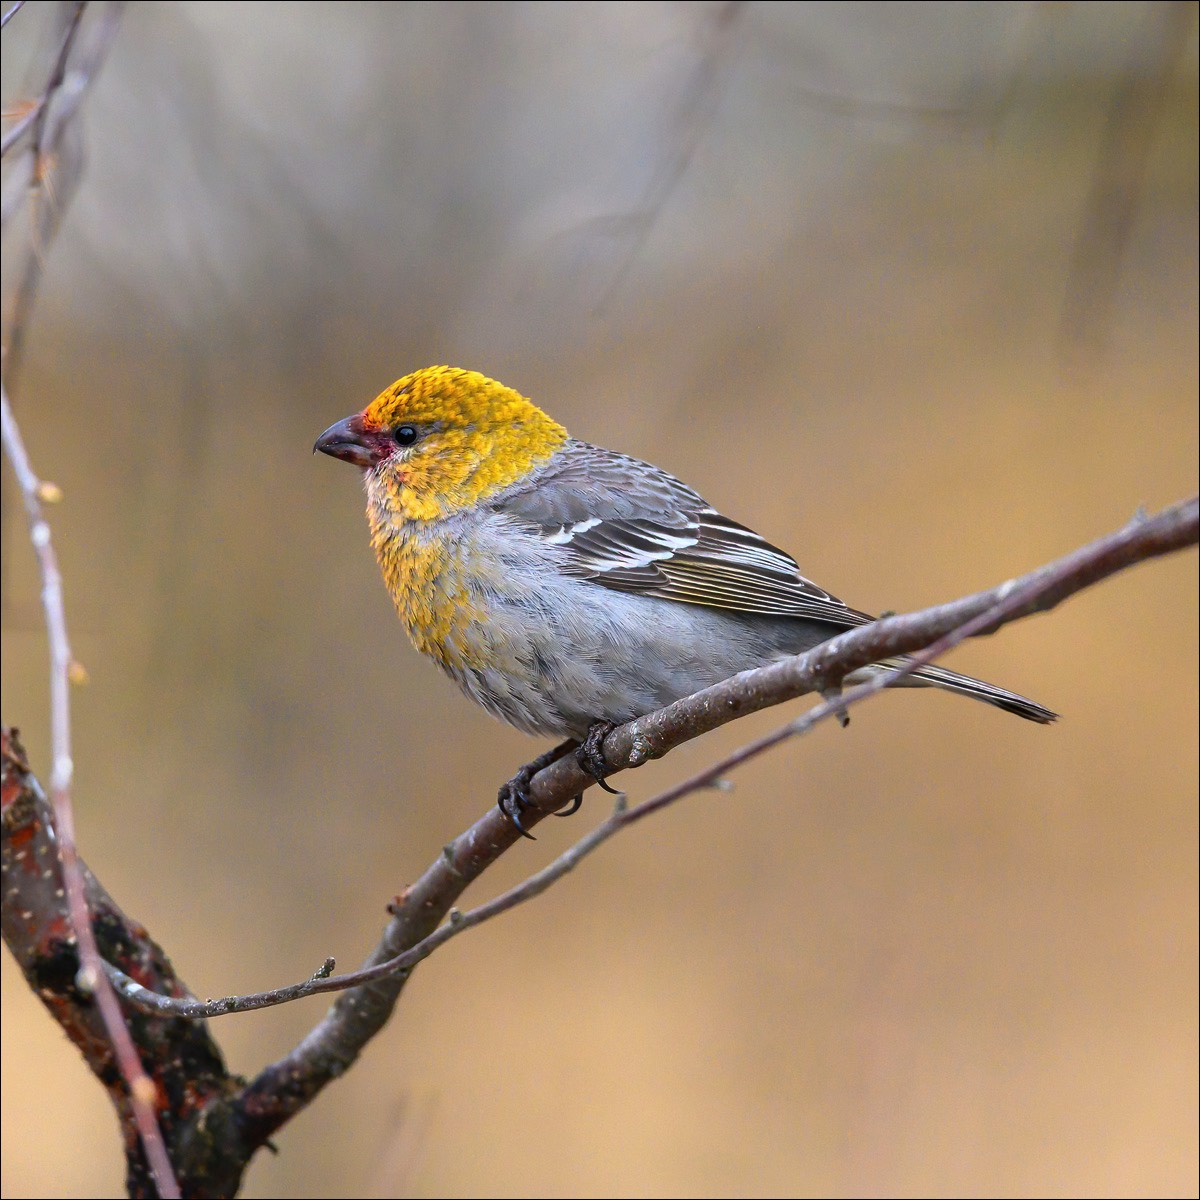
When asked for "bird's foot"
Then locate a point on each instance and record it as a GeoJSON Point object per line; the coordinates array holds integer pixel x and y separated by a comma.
{"type": "Point", "coordinates": [590, 755]}
{"type": "Point", "coordinates": [513, 797]}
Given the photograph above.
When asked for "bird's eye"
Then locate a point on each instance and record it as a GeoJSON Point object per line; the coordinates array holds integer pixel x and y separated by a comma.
{"type": "Point", "coordinates": [405, 435]}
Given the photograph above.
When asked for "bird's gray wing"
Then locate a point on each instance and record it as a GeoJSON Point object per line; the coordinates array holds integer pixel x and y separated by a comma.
{"type": "Point", "coordinates": [630, 526]}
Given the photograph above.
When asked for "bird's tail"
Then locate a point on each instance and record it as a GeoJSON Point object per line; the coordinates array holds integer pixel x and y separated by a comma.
{"type": "Point", "coordinates": [964, 685]}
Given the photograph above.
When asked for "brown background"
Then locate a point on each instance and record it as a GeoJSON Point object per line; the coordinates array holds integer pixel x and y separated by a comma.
{"type": "Point", "coordinates": [818, 261]}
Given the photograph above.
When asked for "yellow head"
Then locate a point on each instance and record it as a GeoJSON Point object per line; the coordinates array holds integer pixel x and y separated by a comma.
{"type": "Point", "coordinates": [443, 439]}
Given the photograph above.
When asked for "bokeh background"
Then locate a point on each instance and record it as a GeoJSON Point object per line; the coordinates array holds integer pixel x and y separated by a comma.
{"type": "Point", "coordinates": [912, 289]}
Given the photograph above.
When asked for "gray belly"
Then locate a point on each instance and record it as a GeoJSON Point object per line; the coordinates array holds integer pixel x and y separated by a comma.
{"type": "Point", "coordinates": [580, 652]}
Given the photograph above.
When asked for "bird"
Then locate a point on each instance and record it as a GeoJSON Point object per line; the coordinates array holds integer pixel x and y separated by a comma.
{"type": "Point", "coordinates": [568, 588]}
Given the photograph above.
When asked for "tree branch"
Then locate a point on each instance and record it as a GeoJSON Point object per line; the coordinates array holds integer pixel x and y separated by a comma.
{"type": "Point", "coordinates": [184, 1082]}
{"type": "Point", "coordinates": [213, 1140]}
{"type": "Point", "coordinates": [415, 931]}
{"type": "Point", "coordinates": [31, 186]}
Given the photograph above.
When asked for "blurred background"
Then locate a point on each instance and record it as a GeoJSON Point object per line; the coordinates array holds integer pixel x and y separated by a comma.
{"type": "Point", "coordinates": [911, 289]}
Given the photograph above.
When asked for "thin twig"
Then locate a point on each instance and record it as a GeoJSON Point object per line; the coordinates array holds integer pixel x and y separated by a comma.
{"type": "Point", "coordinates": [44, 176]}
{"type": "Point", "coordinates": [57, 75]}
{"type": "Point", "coordinates": [142, 1090]}
{"type": "Point", "coordinates": [92, 977]}
{"type": "Point", "coordinates": [1135, 113]}
{"type": "Point", "coordinates": [23, 122]}
{"type": "Point", "coordinates": [12, 12]}
{"type": "Point", "coordinates": [689, 123]}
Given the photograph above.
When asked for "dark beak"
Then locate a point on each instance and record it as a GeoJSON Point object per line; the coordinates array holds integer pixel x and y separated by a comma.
{"type": "Point", "coordinates": [352, 442]}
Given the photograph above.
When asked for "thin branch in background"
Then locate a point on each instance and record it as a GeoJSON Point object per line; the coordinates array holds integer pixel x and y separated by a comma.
{"type": "Point", "coordinates": [46, 172]}
{"type": "Point", "coordinates": [691, 119]}
{"type": "Point", "coordinates": [143, 1094]}
{"type": "Point", "coordinates": [1134, 115]}
{"type": "Point", "coordinates": [66, 155]}
{"type": "Point", "coordinates": [12, 12]}
{"type": "Point", "coordinates": [23, 121]}
{"type": "Point", "coordinates": [57, 74]}
{"type": "Point", "coordinates": [45, 137]}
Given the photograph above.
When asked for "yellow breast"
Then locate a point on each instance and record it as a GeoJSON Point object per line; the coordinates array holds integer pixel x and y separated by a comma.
{"type": "Point", "coordinates": [429, 582]}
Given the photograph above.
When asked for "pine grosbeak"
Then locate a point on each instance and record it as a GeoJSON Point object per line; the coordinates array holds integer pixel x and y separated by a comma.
{"type": "Point", "coordinates": [567, 588]}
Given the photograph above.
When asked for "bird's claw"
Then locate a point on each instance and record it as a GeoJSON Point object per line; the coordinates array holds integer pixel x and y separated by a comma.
{"type": "Point", "coordinates": [513, 799]}
{"type": "Point", "coordinates": [590, 754]}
